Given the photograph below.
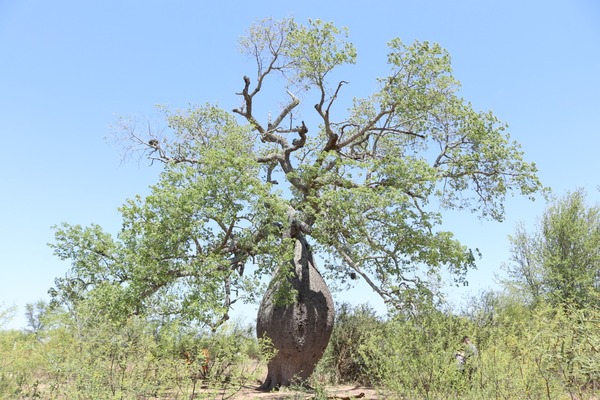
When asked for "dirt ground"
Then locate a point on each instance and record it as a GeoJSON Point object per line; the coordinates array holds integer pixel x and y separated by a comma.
{"type": "Point", "coordinates": [335, 392]}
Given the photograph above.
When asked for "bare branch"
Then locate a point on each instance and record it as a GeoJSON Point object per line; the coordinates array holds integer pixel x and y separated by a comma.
{"type": "Point", "coordinates": [332, 137]}
{"type": "Point", "coordinates": [247, 111]}
{"type": "Point", "coordinates": [355, 266]}
{"type": "Point", "coordinates": [293, 104]}
{"type": "Point", "coordinates": [335, 95]}
{"type": "Point", "coordinates": [363, 133]}
{"type": "Point", "coordinates": [302, 130]}
{"type": "Point", "coordinates": [270, 158]}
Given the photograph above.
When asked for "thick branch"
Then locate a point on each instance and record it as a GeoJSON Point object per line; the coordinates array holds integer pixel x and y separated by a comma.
{"type": "Point", "coordinates": [293, 104]}
{"type": "Point", "coordinates": [332, 138]}
{"type": "Point", "coordinates": [302, 130]}
{"type": "Point", "coordinates": [228, 235]}
{"type": "Point", "coordinates": [270, 158]}
{"type": "Point", "coordinates": [247, 111]}
{"type": "Point", "coordinates": [362, 133]}
{"type": "Point", "coordinates": [269, 135]}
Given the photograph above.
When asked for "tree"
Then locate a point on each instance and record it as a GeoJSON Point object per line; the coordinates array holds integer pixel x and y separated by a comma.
{"type": "Point", "coordinates": [241, 197]}
{"type": "Point", "coordinates": [6, 314]}
{"type": "Point", "coordinates": [37, 316]}
{"type": "Point", "coordinates": [560, 260]}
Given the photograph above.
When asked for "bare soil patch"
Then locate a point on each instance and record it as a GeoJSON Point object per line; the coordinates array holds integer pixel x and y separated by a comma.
{"type": "Point", "coordinates": [345, 392]}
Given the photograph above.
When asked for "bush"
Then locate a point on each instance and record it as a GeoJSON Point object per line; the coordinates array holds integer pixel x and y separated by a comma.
{"type": "Point", "coordinates": [19, 358]}
{"type": "Point", "coordinates": [541, 352]}
{"type": "Point", "coordinates": [95, 358]}
{"type": "Point", "coordinates": [415, 356]}
{"type": "Point", "coordinates": [547, 352]}
{"type": "Point", "coordinates": [345, 359]}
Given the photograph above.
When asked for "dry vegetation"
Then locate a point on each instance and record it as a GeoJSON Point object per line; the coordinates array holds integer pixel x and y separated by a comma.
{"type": "Point", "coordinates": [526, 352]}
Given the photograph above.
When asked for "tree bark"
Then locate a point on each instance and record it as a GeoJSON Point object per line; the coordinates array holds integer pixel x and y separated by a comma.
{"type": "Point", "coordinates": [300, 331]}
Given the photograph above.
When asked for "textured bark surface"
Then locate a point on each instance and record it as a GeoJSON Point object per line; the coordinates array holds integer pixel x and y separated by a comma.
{"type": "Point", "coordinates": [299, 332]}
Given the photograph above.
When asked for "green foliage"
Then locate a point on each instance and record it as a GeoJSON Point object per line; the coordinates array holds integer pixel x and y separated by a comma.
{"type": "Point", "coordinates": [35, 313]}
{"type": "Point", "coordinates": [541, 352]}
{"type": "Point", "coordinates": [524, 352]}
{"type": "Point", "coordinates": [6, 314]}
{"type": "Point", "coordinates": [214, 224]}
{"type": "Point", "coordinates": [102, 359]}
{"type": "Point", "coordinates": [346, 357]}
{"type": "Point", "coordinates": [18, 361]}
{"type": "Point", "coordinates": [182, 249]}
{"type": "Point", "coordinates": [316, 50]}
{"type": "Point", "coordinates": [560, 260]}
{"type": "Point", "coordinates": [306, 53]}
{"type": "Point", "coordinates": [415, 357]}
{"type": "Point", "coordinates": [544, 352]}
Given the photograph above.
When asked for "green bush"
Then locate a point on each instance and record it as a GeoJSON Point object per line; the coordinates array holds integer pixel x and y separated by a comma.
{"type": "Point", "coordinates": [415, 355]}
{"type": "Point", "coordinates": [89, 357]}
{"type": "Point", "coordinates": [19, 357]}
{"type": "Point", "coordinates": [345, 359]}
{"type": "Point", "coordinates": [525, 352]}
{"type": "Point", "coordinates": [549, 352]}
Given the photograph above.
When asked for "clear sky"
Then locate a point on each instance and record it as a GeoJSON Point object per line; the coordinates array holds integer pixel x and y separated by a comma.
{"type": "Point", "coordinates": [68, 69]}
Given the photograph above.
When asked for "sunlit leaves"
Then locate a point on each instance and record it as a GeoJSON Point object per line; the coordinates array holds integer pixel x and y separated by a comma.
{"type": "Point", "coordinates": [317, 49]}
{"type": "Point", "coordinates": [305, 54]}
{"type": "Point", "coordinates": [368, 185]}
{"type": "Point", "coordinates": [420, 78]}
{"type": "Point", "coordinates": [184, 247]}
{"type": "Point", "coordinates": [93, 252]}
{"type": "Point", "coordinates": [559, 261]}
{"type": "Point", "coordinates": [387, 236]}
{"type": "Point", "coordinates": [200, 129]}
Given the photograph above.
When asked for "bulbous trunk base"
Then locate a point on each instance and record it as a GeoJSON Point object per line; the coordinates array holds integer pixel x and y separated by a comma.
{"type": "Point", "coordinates": [300, 331]}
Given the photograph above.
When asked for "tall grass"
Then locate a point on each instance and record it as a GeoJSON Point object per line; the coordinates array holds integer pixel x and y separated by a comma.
{"type": "Point", "coordinates": [524, 353]}
{"type": "Point", "coordinates": [130, 360]}
{"type": "Point", "coordinates": [540, 352]}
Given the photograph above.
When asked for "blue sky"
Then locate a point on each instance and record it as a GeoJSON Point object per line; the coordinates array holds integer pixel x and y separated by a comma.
{"type": "Point", "coordinates": [69, 69]}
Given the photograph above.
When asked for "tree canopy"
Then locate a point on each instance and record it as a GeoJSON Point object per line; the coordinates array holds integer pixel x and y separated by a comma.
{"type": "Point", "coordinates": [559, 261]}
{"type": "Point", "coordinates": [367, 186]}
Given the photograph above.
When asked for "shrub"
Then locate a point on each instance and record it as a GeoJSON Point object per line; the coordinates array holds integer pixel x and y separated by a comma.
{"type": "Point", "coordinates": [345, 360]}
{"type": "Point", "coordinates": [415, 355]}
{"type": "Point", "coordinates": [90, 357]}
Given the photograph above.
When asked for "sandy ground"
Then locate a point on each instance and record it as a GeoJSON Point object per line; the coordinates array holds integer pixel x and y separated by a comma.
{"type": "Point", "coordinates": [339, 392]}
{"type": "Point", "coordinates": [335, 392]}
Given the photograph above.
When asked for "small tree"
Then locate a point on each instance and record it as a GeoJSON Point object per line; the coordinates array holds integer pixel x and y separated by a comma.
{"type": "Point", "coordinates": [347, 355]}
{"type": "Point", "coordinates": [6, 314]}
{"type": "Point", "coordinates": [560, 260]}
{"type": "Point", "coordinates": [37, 315]}
{"type": "Point", "coordinates": [259, 195]}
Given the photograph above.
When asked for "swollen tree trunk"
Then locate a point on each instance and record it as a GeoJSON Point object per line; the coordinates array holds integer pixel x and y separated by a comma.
{"type": "Point", "coordinates": [300, 331]}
